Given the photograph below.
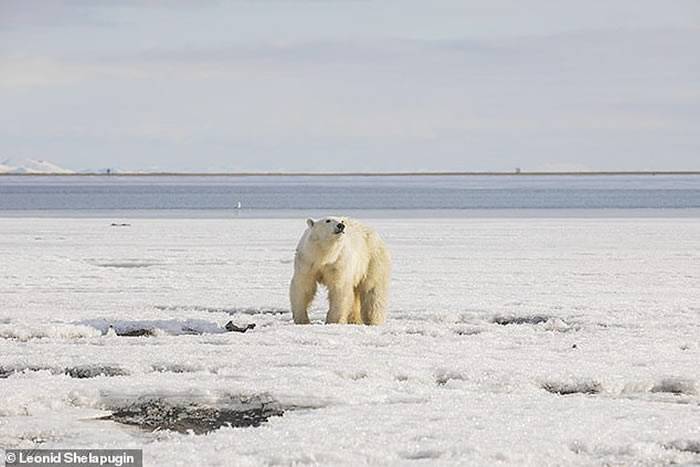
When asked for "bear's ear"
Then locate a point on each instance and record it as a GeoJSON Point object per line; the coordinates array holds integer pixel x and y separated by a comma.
{"type": "Point", "coordinates": [310, 222]}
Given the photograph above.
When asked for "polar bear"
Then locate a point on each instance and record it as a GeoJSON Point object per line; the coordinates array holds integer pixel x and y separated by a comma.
{"type": "Point", "coordinates": [353, 263]}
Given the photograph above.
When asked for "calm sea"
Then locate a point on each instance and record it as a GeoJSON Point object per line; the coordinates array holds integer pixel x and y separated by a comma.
{"type": "Point", "coordinates": [404, 196]}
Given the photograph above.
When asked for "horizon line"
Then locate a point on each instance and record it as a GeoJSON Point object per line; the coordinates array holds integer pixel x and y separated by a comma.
{"type": "Point", "coordinates": [358, 174]}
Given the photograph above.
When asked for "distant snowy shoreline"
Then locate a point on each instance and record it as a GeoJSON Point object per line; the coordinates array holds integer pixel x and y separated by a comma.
{"type": "Point", "coordinates": [31, 167]}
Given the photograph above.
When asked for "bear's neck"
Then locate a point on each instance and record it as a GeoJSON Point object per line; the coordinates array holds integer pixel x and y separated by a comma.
{"type": "Point", "coordinates": [327, 252]}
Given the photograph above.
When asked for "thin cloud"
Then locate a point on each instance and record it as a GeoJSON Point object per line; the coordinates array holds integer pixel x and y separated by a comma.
{"type": "Point", "coordinates": [603, 98]}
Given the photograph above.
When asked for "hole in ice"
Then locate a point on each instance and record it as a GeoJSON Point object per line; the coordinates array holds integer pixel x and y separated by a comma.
{"type": "Point", "coordinates": [676, 386]}
{"type": "Point", "coordinates": [183, 416]}
{"type": "Point", "coordinates": [565, 388]}
{"type": "Point", "coordinates": [228, 311]}
{"type": "Point", "coordinates": [506, 320]}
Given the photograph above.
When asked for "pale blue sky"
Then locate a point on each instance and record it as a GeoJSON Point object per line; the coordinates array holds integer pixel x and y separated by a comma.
{"type": "Point", "coordinates": [352, 85]}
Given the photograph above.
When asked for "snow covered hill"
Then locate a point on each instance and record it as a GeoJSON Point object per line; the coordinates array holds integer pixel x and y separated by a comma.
{"type": "Point", "coordinates": [31, 166]}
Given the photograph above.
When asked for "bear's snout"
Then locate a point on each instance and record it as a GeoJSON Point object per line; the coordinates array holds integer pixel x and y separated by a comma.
{"type": "Point", "coordinates": [339, 228]}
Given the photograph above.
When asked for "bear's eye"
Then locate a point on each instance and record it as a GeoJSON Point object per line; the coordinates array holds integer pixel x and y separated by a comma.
{"type": "Point", "coordinates": [327, 221]}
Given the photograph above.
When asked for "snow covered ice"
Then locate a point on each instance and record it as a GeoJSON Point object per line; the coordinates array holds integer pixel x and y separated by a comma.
{"type": "Point", "coordinates": [508, 342]}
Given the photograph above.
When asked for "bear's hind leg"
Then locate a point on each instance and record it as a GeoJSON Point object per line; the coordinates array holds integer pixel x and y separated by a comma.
{"type": "Point", "coordinates": [373, 305]}
{"type": "Point", "coordinates": [301, 293]}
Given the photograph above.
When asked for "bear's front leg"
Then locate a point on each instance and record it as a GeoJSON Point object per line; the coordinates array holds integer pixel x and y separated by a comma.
{"type": "Point", "coordinates": [340, 300]}
{"type": "Point", "coordinates": [301, 293]}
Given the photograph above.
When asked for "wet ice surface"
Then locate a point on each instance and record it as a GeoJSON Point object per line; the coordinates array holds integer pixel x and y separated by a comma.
{"type": "Point", "coordinates": [185, 416]}
{"type": "Point", "coordinates": [509, 341]}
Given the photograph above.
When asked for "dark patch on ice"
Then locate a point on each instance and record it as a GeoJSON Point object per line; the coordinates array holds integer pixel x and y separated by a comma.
{"type": "Point", "coordinates": [115, 224]}
{"type": "Point", "coordinates": [578, 447]}
{"type": "Point", "coordinates": [613, 325]}
{"type": "Point", "coordinates": [294, 365]}
{"type": "Point", "coordinates": [83, 372]}
{"type": "Point", "coordinates": [444, 377]}
{"type": "Point", "coordinates": [411, 331]}
{"type": "Point", "coordinates": [138, 332]}
{"type": "Point", "coordinates": [530, 319]}
{"type": "Point", "coordinates": [161, 413]}
{"type": "Point", "coordinates": [174, 368]}
{"type": "Point", "coordinates": [353, 376]}
{"type": "Point", "coordinates": [677, 386]}
{"type": "Point", "coordinates": [229, 311]}
{"type": "Point", "coordinates": [549, 323]}
{"type": "Point", "coordinates": [6, 372]}
{"type": "Point", "coordinates": [684, 445]}
{"type": "Point", "coordinates": [565, 388]}
{"type": "Point", "coordinates": [126, 265]}
{"type": "Point", "coordinates": [230, 327]}
{"type": "Point", "coordinates": [466, 331]}
{"type": "Point", "coordinates": [257, 311]}
{"type": "Point", "coordinates": [39, 436]}
{"type": "Point", "coordinates": [79, 372]}
{"type": "Point", "coordinates": [422, 454]}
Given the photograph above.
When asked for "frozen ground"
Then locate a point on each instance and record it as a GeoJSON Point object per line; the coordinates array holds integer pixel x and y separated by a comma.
{"type": "Point", "coordinates": [511, 341]}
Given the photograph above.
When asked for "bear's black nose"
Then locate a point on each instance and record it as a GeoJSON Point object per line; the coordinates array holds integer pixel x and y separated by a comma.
{"type": "Point", "coordinates": [341, 227]}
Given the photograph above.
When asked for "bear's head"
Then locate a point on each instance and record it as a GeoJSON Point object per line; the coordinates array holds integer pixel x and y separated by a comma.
{"type": "Point", "coordinates": [326, 229]}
